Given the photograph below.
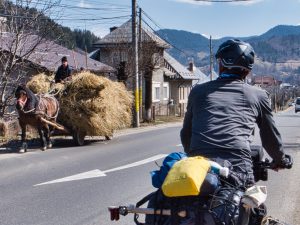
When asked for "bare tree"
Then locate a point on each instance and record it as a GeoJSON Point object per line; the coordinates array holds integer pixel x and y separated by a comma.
{"type": "Point", "coordinates": [120, 56]}
{"type": "Point", "coordinates": [150, 59]}
{"type": "Point", "coordinates": [25, 25]}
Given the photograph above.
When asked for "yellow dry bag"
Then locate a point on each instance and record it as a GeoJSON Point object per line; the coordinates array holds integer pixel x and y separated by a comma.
{"type": "Point", "coordinates": [186, 177]}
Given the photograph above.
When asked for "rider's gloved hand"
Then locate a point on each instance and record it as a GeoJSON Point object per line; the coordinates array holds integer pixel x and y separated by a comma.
{"type": "Point", "coordinates": [285, 163]}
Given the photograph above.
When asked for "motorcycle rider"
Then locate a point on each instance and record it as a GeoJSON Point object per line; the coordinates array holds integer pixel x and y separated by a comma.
{"type": "Point", "coordinates": [221, 115]}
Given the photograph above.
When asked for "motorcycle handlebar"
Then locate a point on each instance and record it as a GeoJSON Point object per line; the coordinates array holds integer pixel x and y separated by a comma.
{"type": "Point", "coordinates": [286, 163]}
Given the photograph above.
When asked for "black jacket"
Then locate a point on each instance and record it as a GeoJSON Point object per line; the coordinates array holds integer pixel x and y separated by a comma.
{"type": "Point", "coordinates": [221, 116]}
{"type": "Point", "coordinates": [62, 73]}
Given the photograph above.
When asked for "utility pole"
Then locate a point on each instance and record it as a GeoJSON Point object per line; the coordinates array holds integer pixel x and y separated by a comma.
{"type": "Point", "coordinates": [140, 56]}
{"type": "Point", "coordinates": [86, 56]}
{"type": "Point", "coordinates": [135, 65]}
{"type": "Point", "coordinates": [275, 97]}
{"type": "Point", "coordinates": [211, 58]}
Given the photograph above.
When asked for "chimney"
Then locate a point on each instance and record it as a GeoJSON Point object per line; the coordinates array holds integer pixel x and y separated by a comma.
{"type": "Point", "coordinates": [191, 64]}
{"type": "Point", "coordinates": [112, 29]}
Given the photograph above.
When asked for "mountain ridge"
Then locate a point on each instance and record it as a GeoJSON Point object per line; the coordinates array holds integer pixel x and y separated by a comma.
{"type": "Point", "coordinates": [277, 50]}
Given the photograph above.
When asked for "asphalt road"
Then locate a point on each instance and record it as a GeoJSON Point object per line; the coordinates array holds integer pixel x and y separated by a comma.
{"type": "Point", "coordinates": [70, 185]}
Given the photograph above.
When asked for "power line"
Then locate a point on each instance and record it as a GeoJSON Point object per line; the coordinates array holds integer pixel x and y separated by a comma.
{"type": "Point", "coordinates": [178, 49]}
{"type": "Point", "coordinates": [158, 26]}
{"type": "Point", "coordinates": [165, 39]}
{"type": "Point", "coordinates": [152, 20]}
{"type": "Point", "coordinates": [95, 19]}
{"type": "Point", "coordinates": [83, 7]}
{"type": "Point", "coordinates": [96, 2]}
{"type": "Point", "coordinates": [83, 19]}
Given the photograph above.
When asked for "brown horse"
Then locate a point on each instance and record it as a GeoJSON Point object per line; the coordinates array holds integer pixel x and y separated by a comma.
{"type": "Point", "coordinates": [38, 111]}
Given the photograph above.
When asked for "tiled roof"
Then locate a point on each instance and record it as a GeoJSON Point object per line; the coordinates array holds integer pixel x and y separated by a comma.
{"type": "Point", "coordinates": [48, 55]}
{"type": "Point", "coordinates": [180, 71]}
{"type": "Point", "coordinates": [201, 77]}
{"type": "Point", "coordinates": [123, 34]}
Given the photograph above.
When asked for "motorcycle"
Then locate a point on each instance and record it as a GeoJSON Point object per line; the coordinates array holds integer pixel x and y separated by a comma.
{"type": "Point", "coordinates": [223, 204]}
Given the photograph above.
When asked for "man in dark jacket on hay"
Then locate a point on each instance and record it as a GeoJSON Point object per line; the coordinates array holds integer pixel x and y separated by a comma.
{"type": "Point", "coordinates": [63, 71]}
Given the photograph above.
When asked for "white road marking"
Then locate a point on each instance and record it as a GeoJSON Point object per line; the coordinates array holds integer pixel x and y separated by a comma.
{"type": "Point", "coordinates": [80, 176]}
{"type": "Point", "coordinates": [99, 173]}
{"type": "Point", "coordinates": [179, 145]}
{"type": "Point", "coordinates": [151, 159]}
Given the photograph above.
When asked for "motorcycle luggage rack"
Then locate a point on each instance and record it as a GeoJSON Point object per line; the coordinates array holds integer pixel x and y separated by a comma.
{"type": "Point", "coordinates": [116, 211]}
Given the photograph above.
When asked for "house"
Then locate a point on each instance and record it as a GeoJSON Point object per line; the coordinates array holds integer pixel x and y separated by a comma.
{"type": "Point", "coordinates": [180, 80]}
{"type": "Point", "coordinates": [38, 55]}
{"type": "Point", "coordinates": [165, 82]}
{"type": "Point", "coordinates": [265, 81]}
{"type": "Point", "coordinates": [286, 86]}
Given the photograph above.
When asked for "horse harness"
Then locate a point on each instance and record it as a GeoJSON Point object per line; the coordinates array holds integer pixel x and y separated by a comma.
{"type": "Point", "coordinates": [42, 107]}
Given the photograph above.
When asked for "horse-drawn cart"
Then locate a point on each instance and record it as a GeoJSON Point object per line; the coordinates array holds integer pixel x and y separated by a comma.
{"type": "Point", "coordinates": [77, 134]}
{"type": "Point", "coordinates": [87, 105]}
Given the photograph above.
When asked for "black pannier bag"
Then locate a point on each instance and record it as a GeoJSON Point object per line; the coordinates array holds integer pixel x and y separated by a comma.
{"type": "Point", "coordinates": [223, 207]}
{"type": "Point", "coordinates": [196, 210]}
{"type": "Point", "coordinates": [226, 207]}
{"type": "Point", "coordinates": [219, 207]}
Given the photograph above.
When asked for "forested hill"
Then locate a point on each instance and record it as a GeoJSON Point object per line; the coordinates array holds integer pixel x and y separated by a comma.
{"type": "Point", "coordinates": [82, 39]}
{"type": "Point", "coordinates": [74, 39]}
{"type": "Point", "coordinates": [277, 50]}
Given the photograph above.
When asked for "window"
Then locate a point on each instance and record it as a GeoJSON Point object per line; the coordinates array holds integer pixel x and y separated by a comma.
{"type": "Point", "coordinates": [115, 58]}
{"type": "Point", "coordinates": [124, 55]}
{"type": "Point", "coordinates": [156, 94]}
{"type": "Point", "coordinates": [156, 91]}
{"type": "Point", "coordinates": [166, 91]}
{"type": "Point", "coordinates": [180, 93]}
{"type": "Point", "coordinates": [183, 93]}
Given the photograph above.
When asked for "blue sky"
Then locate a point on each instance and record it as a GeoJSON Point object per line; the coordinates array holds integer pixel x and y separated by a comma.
{"type": "Point", "coordinates": [216, 19]}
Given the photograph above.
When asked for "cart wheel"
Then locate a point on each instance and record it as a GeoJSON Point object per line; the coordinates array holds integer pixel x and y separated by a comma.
{"type": "Point", "coordinates": [108, 137]}
{"type": "Point", "coordinates": [78, 137]}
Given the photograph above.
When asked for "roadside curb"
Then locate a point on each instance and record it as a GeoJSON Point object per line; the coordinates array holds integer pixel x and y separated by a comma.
{"type": "Point", "coordinates": [146, 128]}
{"type": "Point", "coordinates": [285, 110]}
{"type": "Point", "coordinates": [118, 133]}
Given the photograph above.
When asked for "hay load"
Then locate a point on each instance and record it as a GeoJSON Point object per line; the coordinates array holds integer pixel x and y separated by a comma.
{"type": "Point", "coordinates": [9, 129]}
{"type": "Point", "coordinates": [39, 84]}
{"type": "Point", "coordinates": [94, 105]}
{"type": "Point", "coordinates": [3, 128]}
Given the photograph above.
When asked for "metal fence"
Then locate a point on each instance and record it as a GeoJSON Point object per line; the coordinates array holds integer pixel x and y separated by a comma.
{"type": "Point", "coordinates": [169, 110]}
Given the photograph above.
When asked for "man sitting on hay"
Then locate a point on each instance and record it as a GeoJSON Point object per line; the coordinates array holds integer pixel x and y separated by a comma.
{"type": "Point", "coordinates": [63, 72]}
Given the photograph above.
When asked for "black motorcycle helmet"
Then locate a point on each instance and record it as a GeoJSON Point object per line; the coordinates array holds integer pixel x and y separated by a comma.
{"type": "Point", "coordinates": [236, 54]}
